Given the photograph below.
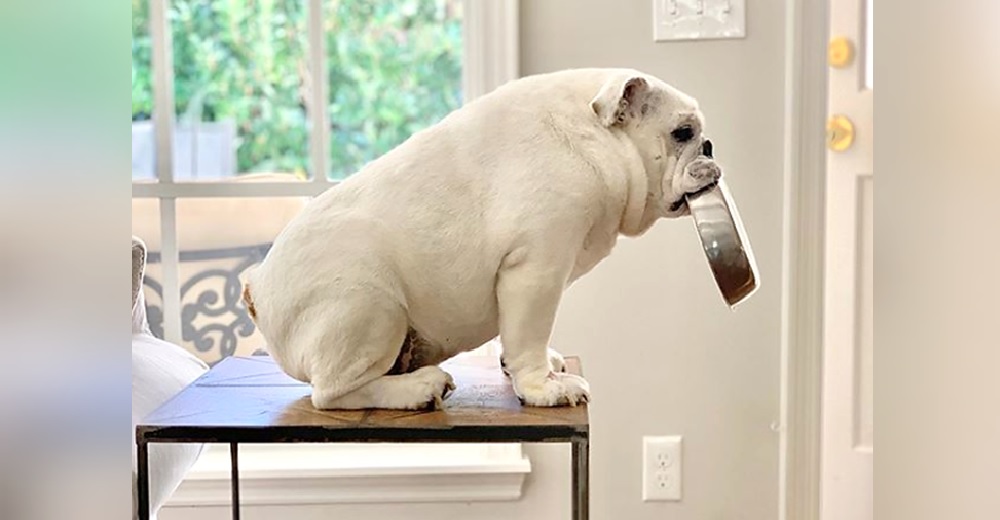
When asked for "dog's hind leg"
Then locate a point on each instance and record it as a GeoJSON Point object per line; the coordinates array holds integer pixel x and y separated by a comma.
{"type": "Point", "coordinates": [426, 387]}
{"type": "Point", "coordinates": [351, 344]}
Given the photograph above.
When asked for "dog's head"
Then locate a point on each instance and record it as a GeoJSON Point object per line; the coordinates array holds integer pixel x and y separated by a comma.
{"type": "Point", "coordinates": [666, 127]}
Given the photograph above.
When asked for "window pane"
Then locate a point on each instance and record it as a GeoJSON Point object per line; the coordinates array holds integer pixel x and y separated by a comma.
{"type": "Point", "coordinates": [142, 94]}
{"type": "Point", "coordinates": [219, 238]}
{"type": "Point", "coordinates": [394, 67]}
{"type": "Point", "coordinates": [240, 85]}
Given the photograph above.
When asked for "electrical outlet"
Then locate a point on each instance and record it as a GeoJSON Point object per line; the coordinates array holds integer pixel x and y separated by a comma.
{"type": "Point", "coordinates": [662, 464]}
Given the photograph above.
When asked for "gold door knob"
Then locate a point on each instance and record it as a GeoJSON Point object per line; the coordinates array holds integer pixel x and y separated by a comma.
{"type": "Point", "coordinates": [840, 52]}
{"type": "Point", "coordinates": [839, 133]}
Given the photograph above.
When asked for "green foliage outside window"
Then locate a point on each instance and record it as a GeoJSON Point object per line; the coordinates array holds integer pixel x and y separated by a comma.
{"type": "Point", "coordinates": [394, 67]}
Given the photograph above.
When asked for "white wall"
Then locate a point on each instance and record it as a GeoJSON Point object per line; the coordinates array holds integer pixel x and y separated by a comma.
{"type": "Point", "coordinates": [663, 354]}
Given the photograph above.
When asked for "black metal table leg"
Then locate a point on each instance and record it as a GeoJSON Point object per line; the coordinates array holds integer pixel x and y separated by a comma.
{"type": "Point", "coordinates": [142, 480]}
{"type": "Point", "coordinates": [234, 457]}
{"type": "Point", "coordinates": [581, 479]}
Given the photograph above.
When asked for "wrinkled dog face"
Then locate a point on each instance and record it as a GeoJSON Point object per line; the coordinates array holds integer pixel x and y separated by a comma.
{"type": "Point", "coordinates": [664, 124]}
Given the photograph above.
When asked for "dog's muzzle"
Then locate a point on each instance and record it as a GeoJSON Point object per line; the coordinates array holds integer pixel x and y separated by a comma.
{"type": "Point", "coordinates": [707, 150]}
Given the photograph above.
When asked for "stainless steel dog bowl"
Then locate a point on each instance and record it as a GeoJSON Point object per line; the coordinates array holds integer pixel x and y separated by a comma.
{"type": "Point", "coordinates": [725, 242]}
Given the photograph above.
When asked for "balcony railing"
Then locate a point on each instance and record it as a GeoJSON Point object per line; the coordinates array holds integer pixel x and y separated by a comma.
{"type": "Point", "coordinates": [213, 317]}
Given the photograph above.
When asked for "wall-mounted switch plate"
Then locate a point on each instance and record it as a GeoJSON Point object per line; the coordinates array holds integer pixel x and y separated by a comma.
{"type": "Point", "coordinates": [698, 19]}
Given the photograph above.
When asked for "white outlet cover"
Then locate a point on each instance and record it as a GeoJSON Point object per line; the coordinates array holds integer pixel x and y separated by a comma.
{"type": "Point", "coordinates": [698, 19]}
{"type": "Point", "coordinates": [662, 468]}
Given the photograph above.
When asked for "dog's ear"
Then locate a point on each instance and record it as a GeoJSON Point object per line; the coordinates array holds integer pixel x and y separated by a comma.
{"type": "Point", "coordinates": [619, 100]}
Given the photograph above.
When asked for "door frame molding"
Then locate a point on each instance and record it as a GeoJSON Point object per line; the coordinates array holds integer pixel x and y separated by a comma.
{"type": "Point", "coordinates": [803, 231]}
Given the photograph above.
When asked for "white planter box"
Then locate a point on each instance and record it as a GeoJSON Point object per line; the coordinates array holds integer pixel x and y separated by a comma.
{"type": "Point", "coordinates": [204, 151]}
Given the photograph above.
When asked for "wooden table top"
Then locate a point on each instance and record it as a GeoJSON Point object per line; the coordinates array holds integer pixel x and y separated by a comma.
{"type": "Point", "coordinates": [249, 399]}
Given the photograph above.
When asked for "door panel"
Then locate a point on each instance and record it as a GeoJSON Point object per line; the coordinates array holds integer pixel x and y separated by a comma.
{"type": "Point", "coordinates": [849, 320]}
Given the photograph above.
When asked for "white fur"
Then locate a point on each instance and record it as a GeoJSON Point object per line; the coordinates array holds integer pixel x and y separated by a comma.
{"type": "Point", "coordinates": [470, 229]}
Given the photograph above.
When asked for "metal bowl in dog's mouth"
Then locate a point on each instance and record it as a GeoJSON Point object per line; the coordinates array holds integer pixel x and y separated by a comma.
{"type": "Point", "coordinates": [725, 242]}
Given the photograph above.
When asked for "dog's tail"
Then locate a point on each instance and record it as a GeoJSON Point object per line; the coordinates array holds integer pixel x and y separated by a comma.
{"type": "Point", "coordinates": [247, 295]}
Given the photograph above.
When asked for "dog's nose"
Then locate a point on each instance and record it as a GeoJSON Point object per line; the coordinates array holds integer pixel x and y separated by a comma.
{"type": "Point", "coordinates": [706, 149]}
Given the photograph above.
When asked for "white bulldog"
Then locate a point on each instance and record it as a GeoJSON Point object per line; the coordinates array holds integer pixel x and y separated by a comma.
{"type": "Point", "coordinates": [473, 228]}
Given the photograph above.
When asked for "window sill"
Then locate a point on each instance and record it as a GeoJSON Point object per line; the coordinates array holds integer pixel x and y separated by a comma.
{"type": "Point", "coordinates": [357, 473]}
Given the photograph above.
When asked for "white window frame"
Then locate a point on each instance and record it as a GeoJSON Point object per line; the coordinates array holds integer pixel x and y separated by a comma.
{"type": "Point", "coordinates": [473, 472]}
{"type": "Point", "coordinates": [490, 58]}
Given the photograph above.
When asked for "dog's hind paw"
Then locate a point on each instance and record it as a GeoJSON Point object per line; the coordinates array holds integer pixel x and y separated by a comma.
{"type": "Point", "coordinates": [429, 387]}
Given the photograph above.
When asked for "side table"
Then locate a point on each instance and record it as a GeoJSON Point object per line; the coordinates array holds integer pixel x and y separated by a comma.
{"type": "Point", "coordinates": [250, 400]}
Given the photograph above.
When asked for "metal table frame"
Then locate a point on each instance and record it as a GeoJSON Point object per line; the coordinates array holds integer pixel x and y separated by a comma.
{"type": "Point", "coordinates": [579, 438]}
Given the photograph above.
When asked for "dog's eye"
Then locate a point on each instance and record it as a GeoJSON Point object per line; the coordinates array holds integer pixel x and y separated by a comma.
{"type": "Point", "coordinates": [682, 134]}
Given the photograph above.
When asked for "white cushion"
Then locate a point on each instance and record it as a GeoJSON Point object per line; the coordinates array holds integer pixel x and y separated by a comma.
{"type": "Point", "coordinates": [159, 371]}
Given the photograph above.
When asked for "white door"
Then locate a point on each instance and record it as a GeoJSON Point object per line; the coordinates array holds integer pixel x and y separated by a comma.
{"type": "Point", "coordinates": [848, 458]}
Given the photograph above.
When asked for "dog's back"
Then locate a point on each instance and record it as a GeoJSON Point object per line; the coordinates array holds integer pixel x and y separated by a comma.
{"type": "Point", "coordinates": [426, 226]}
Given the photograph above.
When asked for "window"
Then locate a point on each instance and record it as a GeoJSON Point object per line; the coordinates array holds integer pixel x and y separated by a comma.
{"type": "Point", "coordinates": [242, 110]}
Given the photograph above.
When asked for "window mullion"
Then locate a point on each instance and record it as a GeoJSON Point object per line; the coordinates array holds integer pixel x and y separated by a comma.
{"type": "Point", "coordinates": [171, 271]}
{"type": "Point", "coordinates": [163, 132]}
{"type": "Point", "coordinates": [472, 42]}
{"type": "Point", "coordinates": [319, 132]}
{"type": "Point", "coordinates": [163, 89]}
{"type": "Point", "coordinates": [489, 46]}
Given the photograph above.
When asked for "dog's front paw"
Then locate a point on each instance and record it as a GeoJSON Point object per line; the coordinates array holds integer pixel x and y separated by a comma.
{"type": "Point", "coordinates": [554, 390]}
{"type": "Point", "coordinates": [428, 387]}
{"type": "Point", "coordinates": [700, 174]}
